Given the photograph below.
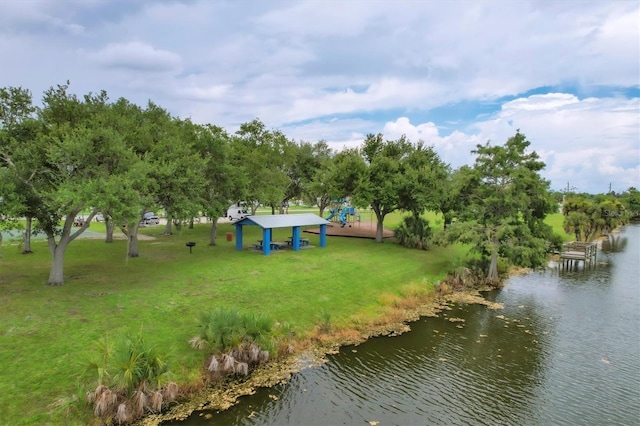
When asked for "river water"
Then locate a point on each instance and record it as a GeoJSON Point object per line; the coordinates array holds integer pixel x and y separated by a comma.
{"type": "Point", "coordinates": [565, 350]}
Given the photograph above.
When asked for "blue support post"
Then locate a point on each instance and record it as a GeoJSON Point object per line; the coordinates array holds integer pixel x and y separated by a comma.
{"type": "Point", "coordinates": [323, 235]}
{"type": "Point", "coordinates": [266, 241]}
{"type": "Point", "coordinates": [238, 237]}
{"type": "Point", "coordinates": [296, 238]}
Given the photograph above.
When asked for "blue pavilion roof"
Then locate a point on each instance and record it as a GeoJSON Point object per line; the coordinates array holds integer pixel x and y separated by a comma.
{"type": "Point", "coordinates": [283, 220]}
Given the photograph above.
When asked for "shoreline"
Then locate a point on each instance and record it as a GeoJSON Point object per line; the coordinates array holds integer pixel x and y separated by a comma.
{"type": "Point", "coordinates": [312, 351]}
{"type": "Point", "coordinates": [224, 394]}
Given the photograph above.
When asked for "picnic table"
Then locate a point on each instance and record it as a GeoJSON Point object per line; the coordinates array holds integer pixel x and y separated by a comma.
{"type": "Point", "coordinates": [303, 241]}
{"type": "Point", "coordinates": [274, 245]}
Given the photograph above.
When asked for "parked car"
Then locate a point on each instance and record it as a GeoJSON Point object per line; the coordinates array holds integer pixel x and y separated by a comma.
{"type": "Point", "coordinates": [99, 217]}
{"type": "Point", "coordinates": [237, 211]}
{"type": "Point", "coordinates": [150, 218]}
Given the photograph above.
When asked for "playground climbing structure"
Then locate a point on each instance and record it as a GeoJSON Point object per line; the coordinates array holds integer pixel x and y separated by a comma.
{"type": "Point", "coordinates": [342, 212]}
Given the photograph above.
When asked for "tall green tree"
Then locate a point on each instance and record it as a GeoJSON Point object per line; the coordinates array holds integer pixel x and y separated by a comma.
{"type": "Point", "coordinates": [454, 193]}
{"type": "Point", "coordinates": [177, 167]}
{"type": "Point", "coordinates": [382, 183]}
{"type": "Point", "coordinates": [225, 182]}
{"type": "Point", "coordinates": [399, 175]}
{"type": "Point", "coordinates": [321, 186]}
{"type": "Point", "coordinates": [19, 129]}
{"type": "Point", "coordinates": [631, 200]}
{"type": "Point", "coordinates": [507, 201]}
{"type": "Point", "coordinates": [267, 156]}
{"type": "Point", "coordinates": [82, 156]}
{"type": "Point", "coordinates": [347, 171]}
{"type": "Point", "coordinates": [589, 217]}
{"type": "Point", "coordinates": [423, 189]}
{"type": "Point", "coordinates": [128, 193]}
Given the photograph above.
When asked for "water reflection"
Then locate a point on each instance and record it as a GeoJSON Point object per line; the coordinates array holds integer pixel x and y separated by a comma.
{"type": "Point", "coordinates": [614, 243]}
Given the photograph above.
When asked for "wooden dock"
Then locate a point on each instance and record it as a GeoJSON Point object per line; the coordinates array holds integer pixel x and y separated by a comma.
{"type": "Point", "coordinates": [575, 252]}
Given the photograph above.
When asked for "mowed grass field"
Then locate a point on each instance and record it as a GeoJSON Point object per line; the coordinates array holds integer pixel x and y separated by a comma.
{"type": "Point", "coordinates": [46, 333]}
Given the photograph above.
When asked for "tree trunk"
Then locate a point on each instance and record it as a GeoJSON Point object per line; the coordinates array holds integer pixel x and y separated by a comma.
{"type": "Point", "coordinates": [26, 249]}
{"type": "Point", "coordinates": [492, 274]}
{"type": "Point", "coordinates": [191, 223]}
{"type": "Point", "coordinates": [379, 228]}
{"type": "Point", "coordinates": [167, 227]}
{"type": "Point", "coordinates": [133, 245]}
{"type": "Point", "coordinates": [56, 273]}
{"type": "Point", "coordinates": [448, 219]}
{"type": "Point", "coordinates": [110, 227]}
{"type": "Point", "coordinates": [214, 232]}
{"type": "Point", "coordinates": [132, 240]}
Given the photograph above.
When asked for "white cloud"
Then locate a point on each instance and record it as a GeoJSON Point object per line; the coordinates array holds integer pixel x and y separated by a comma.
{"type": "Point", "coordinates": [339, 70]}
{"type": "Point", "coordinates": [402, 126]}
{"type": "Point", "coordinates": [539, 103]}
{"type": "Point", "coordinates": [590, 142]}
{"type": "Point", "coordinates": [204, 94]}
{"type": "Point", "coordinates": [338, 133]}
{"type": "Point", "coordinates": [19, 17]}
{"type": "Point", "coordinates": [137, 56]}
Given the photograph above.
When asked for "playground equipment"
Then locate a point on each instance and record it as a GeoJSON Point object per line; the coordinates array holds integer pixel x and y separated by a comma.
{"type": "Point", "coordinates": [340, 211]}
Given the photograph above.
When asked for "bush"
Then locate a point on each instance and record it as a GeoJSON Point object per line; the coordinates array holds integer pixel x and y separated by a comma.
{"type": "Point", "coordinates": [237, 340]}
{"type": "Point", "coordinates": [132, 380]}
{"type": "Point", "coordinates": [413, 232]}
{"type": "Point", "coordinates": [225, 329]}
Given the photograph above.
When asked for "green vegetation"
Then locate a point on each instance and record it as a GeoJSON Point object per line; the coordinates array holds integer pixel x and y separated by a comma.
{"type": "Point", "coordinates": [555, 220]}
{"type": "Point", "coordinates": [413, 232]}
{"type": "Point", "coordinates": [502, 203]}
{"type": "Point", "coordinates": [224, 329]}
{"type": "Point", "coordinates": [132, 379]}
{"type": "Point", "coordinates": [238, 341]}
{"type": "Point", "coordinates": [589, 217]}
{"type": "Point", "coordinates": [48, 332]}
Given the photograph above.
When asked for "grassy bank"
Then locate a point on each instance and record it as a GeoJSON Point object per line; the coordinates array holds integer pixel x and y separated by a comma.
{"type": "Point", "coordinates": [47, 332]}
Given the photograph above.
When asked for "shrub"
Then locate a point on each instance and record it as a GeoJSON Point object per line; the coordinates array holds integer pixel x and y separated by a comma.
{"type": "Point", "coordinates": [413, 232]}
{"type": "Point", "coordinates": [132, 380]}
{"type": "Point", "coordinates": [225, 329]}
{"type": "Point", "coordinates": [219, 330]}
{"type": "Point", "coordinates": [237, 341]}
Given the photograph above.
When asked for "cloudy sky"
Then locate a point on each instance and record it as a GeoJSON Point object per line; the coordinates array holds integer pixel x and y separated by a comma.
{"type": "Point", "coordinates": [451, 73]}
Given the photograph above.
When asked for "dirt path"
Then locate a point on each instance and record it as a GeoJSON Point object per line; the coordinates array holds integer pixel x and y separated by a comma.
{"type": "Point", "coordinates": [116, 236]}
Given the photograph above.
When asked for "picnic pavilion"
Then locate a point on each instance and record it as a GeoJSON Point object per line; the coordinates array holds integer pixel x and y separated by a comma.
{"type": "Point", "coordinates": [293, 221]}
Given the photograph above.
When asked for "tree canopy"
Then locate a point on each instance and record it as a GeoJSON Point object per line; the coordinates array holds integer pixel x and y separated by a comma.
{"type": "Point", "coordinates": [506, 201]}
{"type": "Point", "coordinates": [398, 175]}
{"type": "Point", "coordinates": [75, 155]}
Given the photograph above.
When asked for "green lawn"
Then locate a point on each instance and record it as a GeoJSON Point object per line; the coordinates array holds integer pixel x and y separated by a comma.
{"type": "Point", "coordinates": [555, 221]}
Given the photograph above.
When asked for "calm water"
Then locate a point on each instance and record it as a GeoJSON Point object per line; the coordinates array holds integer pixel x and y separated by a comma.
{"type": "Point", "coordinates": [564, 350]}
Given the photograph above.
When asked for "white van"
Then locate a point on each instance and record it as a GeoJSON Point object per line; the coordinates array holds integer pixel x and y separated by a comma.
{"type": "Point", "coordinates": [237, 211]}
